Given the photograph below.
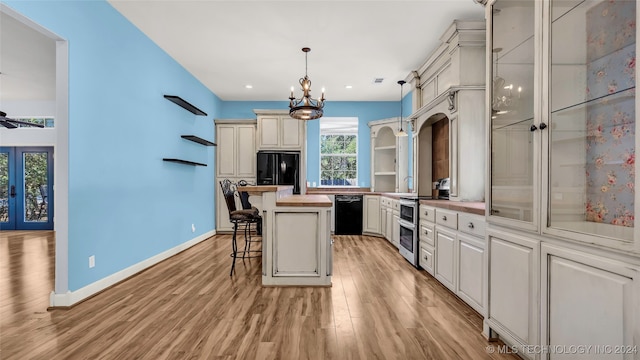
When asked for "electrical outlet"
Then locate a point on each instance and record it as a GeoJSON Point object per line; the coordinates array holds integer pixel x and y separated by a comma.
{"type": "Point", "coordinates": [92, 261]}
{"type": "Point", "coordinates": [193, 227]}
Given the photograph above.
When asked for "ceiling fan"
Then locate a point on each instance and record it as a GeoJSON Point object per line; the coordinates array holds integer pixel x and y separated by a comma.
{"type": "Point", "coordinates": [12, 123]}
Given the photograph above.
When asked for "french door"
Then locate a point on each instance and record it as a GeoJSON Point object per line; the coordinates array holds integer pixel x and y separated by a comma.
{"type": "Point", "coordinates": [26, 188]}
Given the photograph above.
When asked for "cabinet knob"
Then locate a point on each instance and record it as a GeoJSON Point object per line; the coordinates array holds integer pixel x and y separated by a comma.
{"type": "Point", "coordinates": [470, 225]}
{"type": "Point", "coordinates": [426, 213]}
{"type": "Point", "coordinates": [426, 232]}
{"type": "Point", "coordinates": [543, 126]}
{"type": "Point", "coordinates": [444, 218]}
{"type": "Point", "coordinates": [533, 128]}
{"type": "Point", "coordinates": [425, 257]}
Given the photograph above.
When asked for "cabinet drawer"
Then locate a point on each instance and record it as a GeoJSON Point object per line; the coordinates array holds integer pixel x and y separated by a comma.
{"type": "Point", "coordinates": [426, 233]}
{"type": "Point", "coordinates": [396, 205]}
{"type": "Point", "coordinates": [447, 218]}
{"type": "Point", "coordinates": [385, 201]}
{"type": "Point", "coordinates": [471, 224]}
{"type": "Point", "coordinates": [427, 213]}
{"type": "Point", "coordinates": [425, 258]}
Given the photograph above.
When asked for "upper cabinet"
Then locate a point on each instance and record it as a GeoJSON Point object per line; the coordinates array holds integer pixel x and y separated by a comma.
{"type": "Point", "coordinates": [563, 105]}
{"type": "Point", "coordinates": [388, 157]}
{"type": "Point", "coordinates": [448, 124]}
{"type": "Point", "coordinates": [236, 155]}
{"type": "Point", "coordinates": [277, 130]}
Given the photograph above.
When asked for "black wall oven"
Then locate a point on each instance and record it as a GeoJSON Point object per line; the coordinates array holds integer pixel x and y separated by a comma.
{"type": "Point", "coordinates": [408, 230]}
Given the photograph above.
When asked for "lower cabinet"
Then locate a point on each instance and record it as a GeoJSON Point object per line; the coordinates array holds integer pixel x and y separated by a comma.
{"type": "Point", "coordinates": [395, 238]}
{"type": "Point", "coordinates": [514, 285]}
{"type": "Point", "coordinates": [445, 267]}
{"type": "Point", "coordinates": [471, 271]}
{"type": "Point", "coordinates": [425, 257]}
{"type": "Point", "coordinates": [371, 215]}
{"type": "Point", "coordinates": [588, 300]}
{"type": "Point", "coordinates": [383, 220]}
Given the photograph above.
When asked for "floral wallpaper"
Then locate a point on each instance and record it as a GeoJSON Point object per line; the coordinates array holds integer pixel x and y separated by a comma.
{"type": "Point", "coordinates": [611, 60]}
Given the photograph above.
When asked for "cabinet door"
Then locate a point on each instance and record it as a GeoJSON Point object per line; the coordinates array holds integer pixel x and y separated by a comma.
{"type": "Point", "coordinates": [246, 151]}
{"type": "Point", "coordinates": [290, 132]}
{"type": "Point", "coordinates": [383, 221]}
{"type": "Point", "coordinates": [514, 129]}
{"type": "Point", "coordinates": [269, 128]}
{"type": "Point", "coordinates": [395, 239]}
{"type": "Point", "coordinates": [513, 287]}
{"type": "Point", "coordinates": [371, 216]}
{"type": "Point", "coordinates": [590, 302]}
{"type": "Point", "coordinates": [471, 271]}
{"type": "Point", "coordinates": [445, 268]}
{"type": "Point", "coordinates": [390, 225]}
{"type": "Point", "coordinates": [226, 150]}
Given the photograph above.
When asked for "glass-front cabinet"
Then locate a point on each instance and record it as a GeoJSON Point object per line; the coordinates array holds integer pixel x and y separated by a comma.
{"type": "Point", "coordinates": [563, 115]}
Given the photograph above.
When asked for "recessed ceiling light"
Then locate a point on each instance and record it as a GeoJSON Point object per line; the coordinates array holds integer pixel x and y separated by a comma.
{"type": "Point", "coordinates": [249, 86]}
{"type": "Point", "coordinates": [348, 87]}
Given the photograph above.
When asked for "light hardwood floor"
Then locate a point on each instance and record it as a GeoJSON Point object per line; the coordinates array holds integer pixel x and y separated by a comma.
{"type": "Point", "coordinates": [188, 307]}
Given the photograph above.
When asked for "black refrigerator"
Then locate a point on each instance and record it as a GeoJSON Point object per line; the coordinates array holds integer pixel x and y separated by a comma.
{"type": "Point", "coordinates": [279, 168]}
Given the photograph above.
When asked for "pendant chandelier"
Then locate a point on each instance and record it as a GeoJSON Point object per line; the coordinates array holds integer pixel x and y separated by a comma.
{"type": "Point", "coordinates": [305, 108]}
{"type": "Point", "coordinates": [401, 132]}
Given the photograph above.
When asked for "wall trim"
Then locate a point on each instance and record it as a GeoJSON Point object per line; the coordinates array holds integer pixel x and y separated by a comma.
{"type": "Point", "coordinates": [71, 298]}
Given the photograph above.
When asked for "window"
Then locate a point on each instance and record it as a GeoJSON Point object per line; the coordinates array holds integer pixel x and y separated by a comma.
{"type": "Point", "coordinates": [339, 151]}
{"type": "Point", "coordinates": [46, 121]}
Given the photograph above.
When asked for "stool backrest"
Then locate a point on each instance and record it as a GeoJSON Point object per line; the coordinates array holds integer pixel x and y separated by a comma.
{"type": "Point", "coordinates": [228, 191]}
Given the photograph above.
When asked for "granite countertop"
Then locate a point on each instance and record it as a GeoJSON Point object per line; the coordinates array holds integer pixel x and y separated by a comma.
{"type": "Point", "coordinates": [305, 200]}
{"type": "Point", "coordinates": [471, 207]}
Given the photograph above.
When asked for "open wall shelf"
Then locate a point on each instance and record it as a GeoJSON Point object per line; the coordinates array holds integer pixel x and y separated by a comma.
{"type": "Point", "coordinates": [185, 104]}
{"type": "Point", "coordinates": [198, 140]}
{"type": "Point", "coordinates": [186, 162]}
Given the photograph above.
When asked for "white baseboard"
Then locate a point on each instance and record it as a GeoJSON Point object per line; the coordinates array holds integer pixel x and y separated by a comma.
{"type": "Point", "coordinates": [72, 297]}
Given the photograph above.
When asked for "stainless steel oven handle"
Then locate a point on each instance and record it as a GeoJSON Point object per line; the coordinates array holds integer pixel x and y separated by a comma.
{"type": "Point", "coordinates": [406, 224]}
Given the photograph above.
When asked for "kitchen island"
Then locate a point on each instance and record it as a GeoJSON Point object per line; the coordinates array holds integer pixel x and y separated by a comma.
{"type": "Point", "coordinates": [296, 236]}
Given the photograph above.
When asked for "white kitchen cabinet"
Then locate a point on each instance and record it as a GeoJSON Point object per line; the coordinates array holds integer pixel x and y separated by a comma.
{"type": "Point", "coordinates": [383, 218]}
{"type": "Point", "coordinates": [390, 226]}
{"type": "Point", "coordinates": [395, 237]}
{"type": "Point", "coordinates": [425, 258]}
{"type": "Point", "coordinates": [371, 215]}
{"type": "Point", "coordinates": [595, 292]}
{"type": "Point", "coordinates": [235, 160]}
{"type": "Point", "coordinates": [514, 306]}
{"type": "Point", "coordinates": [450, 86]}
{"type": "Point", "coordinates": [566, 186]}
{"type": "Point", "coordinates": [389, 157]}
{"type": "Point", "coordinates": [471, 271]}
{"type": "Point", "coordinates": [333, 212]}
{"type": "Point", "coordinates": [278, 131]}
{"type": "Point", "coordinates": [445, 265]}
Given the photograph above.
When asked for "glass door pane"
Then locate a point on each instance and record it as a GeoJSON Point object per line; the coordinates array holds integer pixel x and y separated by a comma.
{"type": "Point", "coordinates": [592, 120]}
{"type": "Point", "coordinates": [35, 191]}
{"type": "Point", "coordinates": [512, 109]}
{"type": "Point", "coordinates": [4, 187]}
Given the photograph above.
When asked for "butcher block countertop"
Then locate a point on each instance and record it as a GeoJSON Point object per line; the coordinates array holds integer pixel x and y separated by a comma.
{"type": "Point", "coordinates": [264, 188]}
{"type": "Point", "coordinates": [305, 200]}
{"type": "Point", "coordinates": [468, 207]}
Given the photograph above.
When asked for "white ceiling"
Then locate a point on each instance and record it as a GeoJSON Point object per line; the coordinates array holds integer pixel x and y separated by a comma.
{"type": "Point", "coordinates": [230, 44]}
{"type": "Point", "coordinates": [27, 62]}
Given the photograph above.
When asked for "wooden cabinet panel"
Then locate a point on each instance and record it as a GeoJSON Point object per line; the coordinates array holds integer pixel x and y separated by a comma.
{"type": "Point", "coordinates": [513, 286]}
{"type": "Point", "coordinates": [269, 128]}
{"type": "Point", "coordinates": [246, 151]}
{"type": "Point", "coordinates": [589, 305]}
{"type": "Point", "coordinates": [445, 258]}
{"type": "Point", "coordinates": [294, 254]}
{"type": "Point", "coordinates": [290, 132]}
{"type": "Point", "coordinates": [226, 151]}
{"type": "Point", "coordinates": [371, 216]}
{"type": "Point", "coordinates": [471, 271]}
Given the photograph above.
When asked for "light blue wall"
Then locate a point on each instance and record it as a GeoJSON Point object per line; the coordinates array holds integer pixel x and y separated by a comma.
{"type": "Point", "coordinates": [125, 203]}
{"type": "Point", "coordinates": [365, 111]}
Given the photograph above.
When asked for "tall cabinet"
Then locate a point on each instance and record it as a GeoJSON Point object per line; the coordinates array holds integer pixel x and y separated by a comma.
{"type": "Point", "coordinates": [564, 244]}
{"type": "Point", "coordinates": [235, 160]}
{"type": "Point", "coordinates": [389, 156]}
{"type": "Point", "coordinates": [278, 131]}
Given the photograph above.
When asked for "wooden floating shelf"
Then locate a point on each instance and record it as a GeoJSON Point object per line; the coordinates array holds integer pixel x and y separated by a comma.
{"type": "Point", "coordinates": [198, 140]}
{"type": "Point", "coordinates": [186, 162]}
{"type": "Point", "coordinates": [185, 104]}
